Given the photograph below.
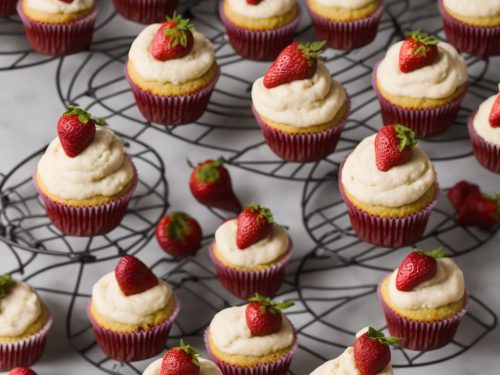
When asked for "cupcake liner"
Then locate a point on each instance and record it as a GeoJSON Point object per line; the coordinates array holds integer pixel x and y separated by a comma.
{"type": "Point", "coordinates": [145, 11]}
{"type": "Point", "coordinates": [24, 352]}
{"type": "Point", "coordinates": [424, 122]}
{"type": "Point", "coordinates": [278, 367]}
{"type": "Point", "coordinates": [347, 35]}
{"type": "Point", "coordinates": [58, 39]}
{"type": "Point", "coordinates": [172, 110]}
{"type": "Point", "coordinates": [487, 154]}
{"type": "Point", "coordinates": [244, 284]}
{"type": "Point", "coordinates": [133, 346]}
{"type": "Point", "coordinates": [393, 232]}
{"type": "Point", "coordinates": [7, 8]}
{"type": "Point", "coordinates": [478, 41]}
{"type": "Point", "coordinates": [302, 148]}
{"type": "Point", "coordinates": [261, 45]}
{"type": "Point", "coordinates": [422, 336]}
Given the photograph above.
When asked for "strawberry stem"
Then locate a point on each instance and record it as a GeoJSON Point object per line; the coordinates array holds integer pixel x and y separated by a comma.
{"type": "Point", "coordinates": [190, 350]}
{"type": "Point", "coordinates": [268, 304]}
{"type": "Point", "coordinates": [436, 253]}
{"type": "Point", "coordinates": [84, 117]}
{"type": "Point", "coordinates": [6, 283]}
{"type": "Point", "coordinates": [496, 199]}
{"type": "Point", "coordinates": [406, 137]}
{"type": "Point", "coordinates": [262, 211]}
{"type": "Point", "coordinates": [178, 229]}
{"type": "Point", "coordinates": [381, 338]}
{"type": "Point", "coordinates": [178, 34]}
{"type": "Point", "coordinates": [208, 172]}
{"type": "Point", "coordinates": [312, 50]}
{"type": "Point", "coordinates": [422, 37]}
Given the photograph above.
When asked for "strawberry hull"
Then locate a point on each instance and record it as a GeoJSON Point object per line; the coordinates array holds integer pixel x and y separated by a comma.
{"type": "Point", "coordinates": [7, 8]}
{"type": "Point", "coordinates": [487, 153]}
{"type": "Point", "coordinates": [145, 11]}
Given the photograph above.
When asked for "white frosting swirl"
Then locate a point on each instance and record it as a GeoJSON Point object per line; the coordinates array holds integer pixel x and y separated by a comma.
{"type": "Point", "coordinates": [348, 4]}
{"type": "Point", "coordinates": [482, 124]}
{"type": "Point", "coordinates": [261, 253]}
{"type": "Point", "coordinates": [231, 335]}
{"type": "Point", "coordinates": [399, 186]}
{"type": "Point", "coordinates": [58, 7]}
{"type": "Point", "coordinates": [345, 365]}
{"type": "Point", "coordinates": [19, 310]}
{"type": "Point", "coordinates": [475, 8]}
{"type": "Point", "coordinates": [206, 367]}
{"type": "Point", "coordinates": [265, 9]}
{"type": "Point", "coordinates": [110, 302]}
{"type": "Point", "coordinates": [436, 81]}
{"type": "Point", "coordinates": [446, 287]}
{"type": "Point", "coordinates": [102, 169]}
{"type": "Point", "coordinates": [187, 68]}
{"type": "Point", "coordinates": [301, 103]}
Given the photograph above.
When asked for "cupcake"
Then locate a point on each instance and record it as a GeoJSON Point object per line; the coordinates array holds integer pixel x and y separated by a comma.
{"type": "Point", "coordinates": [472, 26]}
{"type": "Point", "coordinates": [132, 311]}
{"type": "Point", "coordinates": [24, 324]}
{"type": "Point", "coordinates": [58, 27]}
{"type": "Point", "coordinates": [346, 24]}
{"type": "Point", "coordinates": [260, 29]}
{"type": "Point", "coordinates": [484, 132]}
{"type": "Point", "coordinates": [145, 11]}
{"type": "Point", "coordinates": [301, 110]}
{"type": "Point", "coordinates": [389, 186]}
{"type": "Point", "coordinates": [7, 8]}
{"type": "Point", "coordinates": [172, 72]}
{"type": "Point", "coordinates": [424, 300]}
{"type": "Point", "coordinates": [250, 253]}
{"type": "Point", "coordinates": [254, 339]}
{"type": "Point", "coordinates": [370, 355]}
{"type": "Point", "coordinates": [421, 83]}
{"type": "Point", "coordinates": [84, 193]}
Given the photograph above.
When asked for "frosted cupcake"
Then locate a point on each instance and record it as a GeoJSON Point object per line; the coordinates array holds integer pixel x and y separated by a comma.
{"type": "Point", "coordinates": [346, 24]}
{"type": "Point", "coordinates": [7, 8]}
{"type": "Point", "coordinates": [260, 29]}
{"type": "Point", "coordinates": [422, 90]}
{"type": "Point", "coordinates": [57, 27]}
{"type": "Point", "coordinates": [172, 72]}
{"type": "Point", "coordinates": [145, 11]}
{"type": "Point", "coordinates": [24, 324]}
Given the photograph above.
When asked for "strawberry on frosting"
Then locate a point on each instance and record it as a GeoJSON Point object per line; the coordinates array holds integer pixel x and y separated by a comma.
{"type": "Point", "coordinates": [418, 267]}
{"type": "Point", "coordinates": [494, 117]}
{"type": "Point", "coordinates": [254, 224]}
{"type": "Point", "coordinates": [417, 51]}
{"type": "Point", "coordinates": [181, 360]}
{"type": "Point", "coordinates": [133, 276]}
{"type": "Point", "coordinates": [371, 351]}
{"type": "Point", "coordinates": [174, 39]}
{"type": "Point", "coordinates": [265, 316]}
{"type": "Point", "coordinates": [393, 146]}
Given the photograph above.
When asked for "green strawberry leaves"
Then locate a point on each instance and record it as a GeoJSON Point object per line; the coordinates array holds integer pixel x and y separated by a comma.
{"type": "Point", "coordinates": [84, 117]}
{"type": "Point", "coordinates": [268, 304]}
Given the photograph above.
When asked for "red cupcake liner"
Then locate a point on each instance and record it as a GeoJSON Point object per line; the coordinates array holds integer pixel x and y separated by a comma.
{"type": "Point", "coordinates": [487, 153]}
{"type": "Point", "coordinates": [145, 11]}
{"type": "Point", "coordinates": [422, 336]}
{"type": "Point", "coordinates": [172, 110]}
{"type": "Point", "coordinates": [478, 41]}
{"type": "Point", "coordinates": [244, 284]}
{"type": "Point", "coordinates": [261, 45]}
{"type": "Point", "coordinates": [347, 35]}
{"type": "Point", "coordinates": [424, 122]}
{"type": "Point", "coordinates": [7, 8]}
{"type": "Point", "coordinates": [58, 39]}
{"type": "Point", "coordinates": [133, 346]}
{"type": "Point", "coordinates": [24, 352]}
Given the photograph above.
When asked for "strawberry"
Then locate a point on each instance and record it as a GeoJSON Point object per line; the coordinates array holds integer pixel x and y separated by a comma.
{"type": "Point", "coordinates": [181, 360]}
{"type": "Point", "coordinates": [495, 113]}
{"type": "Point", "coordinates": [480, 210]}
{"type": "Point", "coordinates": [67, 1]}
{"type": "Point", "coordinates": [393, 146]}
{"type": "Point", "coordinates": [418, 50]}
{"type": "Point", "coordinates": [417, 267]}
{"type": "Point", "coordinates": [371, 351]}
{"type": "Point", "coordinates": [295, 62]}
{"type": "Point", "coordinates": [457, 194]}
{"type": "Point", "coordinates": [265, 316]}
{"type": "Point", "coordinates": [76, 130]}
{"type": "Point", "coordinates": [174, 39]}
{"type": "Point", "coordinates": [210, 184]}
{"type": "Point", "coordinates": [22, 371]}
{"type": "Point", "coordinates": [178, 234]}
{"type": "Point", "coordinates": [133, 276]}
{"type": "Point", "coordinates": [254, 224]}
{"type": "Point", "coordinates": [254, 2]}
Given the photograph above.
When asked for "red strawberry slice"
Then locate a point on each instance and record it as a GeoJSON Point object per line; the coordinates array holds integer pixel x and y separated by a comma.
{"type": "Point", "coordinates": [265, 316]}
{"type": "Point", "coordinates": [22, 371]}
{"type": "Point", "coordinates": [174, 39]}
{"type": "Point", "coordinates": [417, 50]}
{"type": "Point", "coordinates": [417, 267]}
{"type": "Point", "coordinates": [459, 192]}
{"type": "Point", "coordinates": [480, 210]}
{"type": "Point", "coordinates": [495, 113]}
{"type": "Point", "coordinates": [254, 2]}
{"type": "Point", "coordinates": [254, 224]}
{"type": "Point", "coordinates": [179, 234]}
{"type": "Point", "coordinates": [181, 360]}
{"type": "Point", "coordinates": [371, 351]}
{"type": "Point", "coordinates": [393, 146]}
{"type": "Point", "coordinates": [67, 1]}
{"type": "Point", "coordinates": [295, 62]}
{"type": "Point", "coordinates": [133, 276]}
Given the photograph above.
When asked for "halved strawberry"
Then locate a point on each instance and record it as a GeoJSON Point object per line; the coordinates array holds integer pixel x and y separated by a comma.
{"type": "Point", "coordinates": [417, 267]}
{"type": "Point", "coordinates": [254, 224]}
{"type": "Point", "coordinates": [181, 360]}
{"type": "Point", "coordinates": [174, 39]}
{"type": "Point", "coordinates": [265, 316]}
{"type": "Point", "coordinates": [418, 50]}
{"type": "Point", "coordinates": [494, 117]}
{"type": "Point", "coordinates": [371, 351]}
{"type": "Point", "coordinates": [179, 234]}
{"type": "Point", "coordinates": [393, 146]}
{"type": "Point", "coordinates": [133, 276]}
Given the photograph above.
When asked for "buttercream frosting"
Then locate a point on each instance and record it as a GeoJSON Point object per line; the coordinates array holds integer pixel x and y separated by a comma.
{"type": "Point", "coordinates": [302, 103]}
{"type": "Point", "coordinates": [399, 186]}
{"type": "Point", "coordinates": [474, 8]}
{"type": "Point", "coordinates": [265, 9]}
{"type": "Point", "coordinates": [482, 124]}
{"type": "Point", "coordinates": [348, 4]}
{"type": "Point", "coordinates": [59, 7]}
{"type": "Point", "coordinates": [102, 169]}
{"type": "Point", "coordinates": [231, 335]}
{"type": "Point", "coordinates": [206, 367]}
{"type": "Point", "coordinates": [110, 302]}
{"type": "Point", "coordinates": [439, 80]}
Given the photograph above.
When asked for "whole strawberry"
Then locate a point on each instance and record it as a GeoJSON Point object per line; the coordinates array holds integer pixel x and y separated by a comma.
{"type": "Point", "coordinates": [371, 351]}
{"type": "Point", "coordinates": [494, 117]}
{"type": "Point", "coordinates": [76, 130]}
{"type": "Point", "coordinates": [254, 224]}
{"type": "Point", "coordinates": [457, 194]}
{"type": "Point", "coordinates": [295, 62]}
{"type": "Point", "coordinates": [174, 39]}
{"type": "Point", "coordinates": [393, 146]}
{"type": "Point", "coordinates": [22, 371]}
{"type": "Point", "coordinates": [210, 183]}
{"type": "Point", "coordinates": [181, 360]}
{"type": "Point", "coordinates": [179, 234]}
{"type": "Point", "coordinates": [133, 276]}
{"type": "Point", "coordinates": [417, 267]}
{"type": "Point", "coordinates": [265, 316]}
{"type": "Point", "coordinates": [480, 210]}
{"type": "Point", "coordinates": [418, 50]}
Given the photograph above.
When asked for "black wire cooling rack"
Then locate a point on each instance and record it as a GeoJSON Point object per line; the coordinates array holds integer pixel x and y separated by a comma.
{"type": "Point", "coordinates": [323, 311]}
